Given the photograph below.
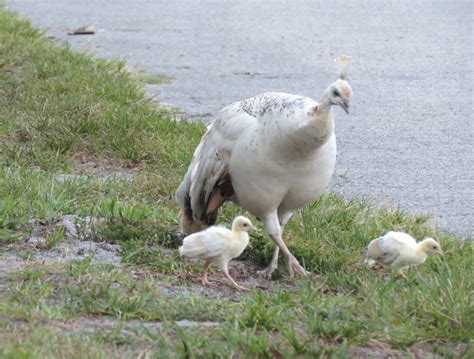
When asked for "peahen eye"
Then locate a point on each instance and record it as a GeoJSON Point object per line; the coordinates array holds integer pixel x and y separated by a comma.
{"type": "Point", "coordinates": [336, 93]}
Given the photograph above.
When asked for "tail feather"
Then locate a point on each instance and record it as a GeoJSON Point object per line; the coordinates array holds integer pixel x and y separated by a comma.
{"type": "Point", "coordinates": [190, 225]}
{"type": "Point", "coordinates": [370, 262]}
{"type": "Point", "coordinates": [192, 249]}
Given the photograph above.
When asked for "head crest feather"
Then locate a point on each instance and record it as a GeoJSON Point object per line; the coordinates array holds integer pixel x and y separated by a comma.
{"type": "Point", "coordinates": [343, 64]}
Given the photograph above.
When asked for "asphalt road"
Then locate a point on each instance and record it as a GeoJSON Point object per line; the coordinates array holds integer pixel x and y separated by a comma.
{"type": "Point", "coordinates": [409, 138]}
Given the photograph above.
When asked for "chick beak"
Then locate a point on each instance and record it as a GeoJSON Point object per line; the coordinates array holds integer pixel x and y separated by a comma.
{"type": "Point", "coordinates": [253, 227]}
{"type": "Point", "coordinates": [440, 252]}
{"type": "Point", "coordinates": [345, 106]}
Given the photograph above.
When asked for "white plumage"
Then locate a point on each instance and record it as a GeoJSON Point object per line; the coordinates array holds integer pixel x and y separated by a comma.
{"type": "Point", "coordinates": [218, 245]}
{"type": "Point", "coordinates": [399, 250]}
{"type": "Point", "coordinates": [270, 154]}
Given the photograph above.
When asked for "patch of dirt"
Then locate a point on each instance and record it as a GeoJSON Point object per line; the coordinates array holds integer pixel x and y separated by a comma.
{"type": "Point", "coordinates": [243, 272]}
{"type": "Point", "coordinates": [103, 168]}
{"type": "Point", "coordinates": [117, 175]}
{"type": "Point", "coordinates": [10, 262]}
{"type": "Point", "coordinates": [421, 350]}
{"type": "Point", "coordinates": [70, 250]}
{"type": "Point", "coordinates": [379, 350]}
{"type": "Point", "coordinates": [73, 246]}
{"type": "Point", "coordinates": [95, 324]}
{"type": "Point", "coordinates": [76, 249]}
{"type": "Point", "coordinates": [36, 250]}
{"type": "Point", "coordinates": [74, 227]}
{"type": "Point", "coordinates": [125, 339]}
{"type": "Point", "coordinates": [380, 269]}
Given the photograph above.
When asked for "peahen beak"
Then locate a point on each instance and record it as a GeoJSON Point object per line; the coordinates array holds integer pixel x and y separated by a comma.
{"type": "Point", "coordinates": [345, 106]}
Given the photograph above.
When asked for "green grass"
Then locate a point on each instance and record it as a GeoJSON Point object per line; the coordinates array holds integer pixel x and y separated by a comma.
{"type": "Point", "coordinates": [56, 103]}
{"type": "Point", "coordinates": [154, 79]}
{"type": "Point", "coordinates": [61, 109]}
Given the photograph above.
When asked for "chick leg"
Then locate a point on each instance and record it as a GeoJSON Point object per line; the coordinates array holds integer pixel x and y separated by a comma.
{"type": "Point", "coordinates": [401, 273]}
{"type": "Point", "coordinates": [204, 280]}
{"type": "Point", "coordinates": [232, 281]}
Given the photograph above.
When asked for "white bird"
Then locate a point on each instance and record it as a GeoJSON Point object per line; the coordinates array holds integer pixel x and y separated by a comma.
{"type": "Point", "coordinates": [399, 250]}
{"type": "Point", "coordinates": [218, 245]}
{"type": "Point", "coordinates": [270, 154]}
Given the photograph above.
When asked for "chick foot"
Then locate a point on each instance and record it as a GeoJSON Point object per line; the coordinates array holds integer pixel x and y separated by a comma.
{"type": "Point", "coordinates": [233, 283]}
{"type": "Point", "coordinates": [205, 281]}
{"type": "Point", "coordinates": [241, 287]}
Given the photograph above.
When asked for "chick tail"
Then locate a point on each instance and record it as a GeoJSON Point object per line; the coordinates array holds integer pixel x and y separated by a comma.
{"type": "Point", "coordinates": [182, 252]}
{"type": "Point", "coordinates": [188, 224]}
{"type": "Point", "coordinates": [370, 262]}
{"type": "Point", "coordinates": [186, 252]}
{"type": "Point", "coordinates": [193, 247]}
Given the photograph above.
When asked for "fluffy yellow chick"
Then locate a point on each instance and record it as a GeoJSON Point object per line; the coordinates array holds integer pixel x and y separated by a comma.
{"type": "Point", "coordinates": [399, 250]}
{"type": "Point", "coordinates": [218, 245]}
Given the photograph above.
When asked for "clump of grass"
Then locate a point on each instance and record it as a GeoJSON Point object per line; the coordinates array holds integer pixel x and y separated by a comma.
{"type": "Point", "coordinates": [56, 103]}
{"type": "Point", "coordinates": [56, 236]}
{"type": "Point", "coordinates": [153, 79]}
{"type": "Point", "coordinates": [87, 289]}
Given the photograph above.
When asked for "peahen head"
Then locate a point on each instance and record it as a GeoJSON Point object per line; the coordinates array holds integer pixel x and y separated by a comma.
{"type": "Point", "coordinates": [339, 94]}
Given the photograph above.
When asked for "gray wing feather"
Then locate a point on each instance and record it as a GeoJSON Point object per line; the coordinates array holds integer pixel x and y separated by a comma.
{"type": "Point", "coordinates": [385, 249]}
{"type": "Point", "coordinates": [211, 158]}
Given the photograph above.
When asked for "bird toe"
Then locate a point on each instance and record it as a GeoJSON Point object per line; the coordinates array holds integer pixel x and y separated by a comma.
{"type": "Point", "coordinates": [295, 268]}
{"type": "Point", "coordinates": [267, 272]}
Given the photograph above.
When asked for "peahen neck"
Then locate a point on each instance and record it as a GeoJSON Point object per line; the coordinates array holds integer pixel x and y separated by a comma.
{"type": "Point", "coordinates": [319, 127]}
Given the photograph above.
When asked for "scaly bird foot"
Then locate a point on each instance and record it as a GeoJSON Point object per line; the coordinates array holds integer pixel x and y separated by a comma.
{"type": "Point", "coordinates": [267, 272]}
{"type": "Point", "coordinates": [295, 267]}
{"type": "Point", "coordinates": [241, 287]}
{"type": "Point", "coordinates": [232, 283]}
{"type": "Point", "coordinates": [204, 281]}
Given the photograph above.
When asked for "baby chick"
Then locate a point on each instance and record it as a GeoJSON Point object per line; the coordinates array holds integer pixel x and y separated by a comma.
{"type": "Point", "coordinates": [399, 250]}
{"type": "Point", "coordinates": [218, 245]}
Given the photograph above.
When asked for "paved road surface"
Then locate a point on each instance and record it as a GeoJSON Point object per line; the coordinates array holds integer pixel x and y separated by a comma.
{"type": "Point", "coordinates": [409, 138]}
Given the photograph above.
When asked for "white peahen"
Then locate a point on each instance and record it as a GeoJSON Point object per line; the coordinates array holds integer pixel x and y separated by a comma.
{"type": "Point", "coordinates": [270, 154]}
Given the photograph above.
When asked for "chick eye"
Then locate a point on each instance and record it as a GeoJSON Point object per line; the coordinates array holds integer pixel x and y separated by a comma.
{"type": "Point", "coordinates": [336, 93]}
{"type": "Point", "coordinates": [434, 247]}
{"type": "Point", "coordinates": [245, 224]}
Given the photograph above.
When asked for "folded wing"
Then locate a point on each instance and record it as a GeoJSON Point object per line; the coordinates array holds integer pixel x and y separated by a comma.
{"type": "Point", "coordinates": [207, 244]}
{"type": "Point", "coordinates": [388, 248]}
{"type": "Point", "coordinates": [207, 183]}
